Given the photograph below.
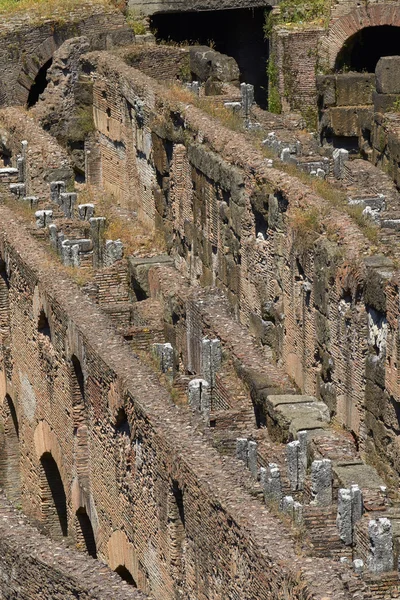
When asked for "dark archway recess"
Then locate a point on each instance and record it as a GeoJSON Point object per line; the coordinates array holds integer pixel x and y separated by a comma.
{"type": "Point", "coordinates": [238, 33]}
{"type": "Point", "coordinates": [121, 423]}
{"type": "Point", "coordinates": [54, 501]}
{"type": "Point", "coordinates": [126, 575]}
{"type": "Point", "coordinates": [43, 325]}
{"type": "Point", "coordinates": [10, 477]}
{"type": "Point", "coordinates": [39, 84]}
{"type": "Point", "coordinates": [362, 50]}
{"type": "Point", "coordinates": [78, 381]}
{"type": "Point", "coordinates": [85, 533]}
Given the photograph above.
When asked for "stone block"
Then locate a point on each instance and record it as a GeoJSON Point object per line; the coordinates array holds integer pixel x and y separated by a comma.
{"type": "Point", "coordinates": [70, 253]}
{"type": "Point", "coordinates": [67, 202]}
{"type": "Point", "coordinates": [273, 486]}
{"type": "Point", "coordinates": [200, 397]}
{"type": "Point", "coordinates": [113, 252]}
{"type": "Point", "coordinates": [241, 450]}
{"type": "Point", "coordinates": [344, 517]}
{"type": "Point", "coordinates": [387, 74]}
{"type": "Point", "coordinates": [326, 88]}
{"type": "Point", "coordinates": [210, 361]}
{"type": "Point", "coordinates": [43, 218]}
{"type": "Point", "coordinates": [354, 89]}
{"type": "Point", "coordinates": [21, 169]}
{"type": "Point", "coordinates": [56, 189]}
{"type": "Point", "coordinates": [85, 211]}
{"type": "Point", "coordinates": [358, 566]}
{"type": "Point", "coordinates": [321, 482]}
{"type": "Point", "coordinates": [207, 63]}
{"type": "Point", "coordinates": [252, 457]}
{"type": "Point", "coordinates": [381, 546]}
{"type": "Point", "coordinates": [18, 189]}
{"type": "Point", "coordinates": [165, 355]}
{"type": "Point", "coordinates": [31, 201]}
{"type": "Point", "coordinates": [384, 103]}
{"type": "Point", "coordinates": [97, 228]}
{"type": "Point", "coordinates": [340, 156]}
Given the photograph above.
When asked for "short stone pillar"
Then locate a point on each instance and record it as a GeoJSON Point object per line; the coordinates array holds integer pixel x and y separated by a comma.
{"type": "Point", "coordinates": [350, 509]}
{"type": "Point", "coordinates": [43, 218]}
{"type": "Point", "coordinates": [18, 189]}
{"type": "Point", "coordinates": [56, 189]}
{"type": "Point", "coordinates": [262, 476]}
{"type": "Point", "coordinates": [113, 252]}
{"type": "Point", "coordinates": [340, 157]}
{"type": "Point", "coordinates": [97, 228]}
{"type": "Point", "coordinates": [68, 201]}
{"type": "Point", "coordinates": [165, 356]}
{"type": "Point", "coordinates": [321, 482]}
{"type": "Point", "coordinates": [211, 355]}
{"type": "Point", "coordinates": [70, 253]}
{"type": "Point", "coordinates": [252, 458]}
{"type": "Point", "coordinates": [296, 456]}
{"type": "Point", "coordinates": [21, 169]}
{"type": "Point", "coordinates": [31, 201]}
{"type": "Point", "coordinates": [247, 93]}
{"type": "Point", "coordinates": [241, 449]}
{"type": "Point", "coordinates": [381, 546]}
{"type": "Point", "coordinates": [53, 233]}
{"type": "Point", "coordinates": [85, 211]}
{"type": "Point", "coordinates": [358, 566]}
{"type": "Point", "coordinates": [200, 398]}
{"type": "Point", "coordinates": [273, 486]}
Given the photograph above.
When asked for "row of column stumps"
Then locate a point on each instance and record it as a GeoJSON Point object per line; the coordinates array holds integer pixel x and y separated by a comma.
{"type": "Point", "coordinates": [105, 252]}
{"type": "Point", "coordinates": [199, 389]}
{"type": "Point", "coordinates": [350, 501]}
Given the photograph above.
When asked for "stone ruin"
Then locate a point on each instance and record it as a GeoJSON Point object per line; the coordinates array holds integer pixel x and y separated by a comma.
{"type": "Point", "coordinates": [199, 313]}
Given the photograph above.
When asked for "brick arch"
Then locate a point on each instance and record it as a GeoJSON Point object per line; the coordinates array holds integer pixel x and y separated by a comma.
{"type": "Point", "coordinates": [32, 65]}
{"type": "Point", "coordinates": [45, 442]}
{"type": "Point", "coordinates": [359, 18]}
{"type": "Point", "coordinates": [121, 553]}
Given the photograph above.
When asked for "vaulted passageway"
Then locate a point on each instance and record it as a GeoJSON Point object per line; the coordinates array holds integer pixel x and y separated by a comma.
{"type": "Point", "coordinates": [54, 501]}
{"type": "Point", "coordinates": [362, 50]}
{"type": "Point", "coordinates": [10, 478]}
{"type": "Point", "coordinates": [85, 534]}
{"type": "Point", "coordinates": [238, 33]}
{"type": "Point", "coordinates": [39, 85]}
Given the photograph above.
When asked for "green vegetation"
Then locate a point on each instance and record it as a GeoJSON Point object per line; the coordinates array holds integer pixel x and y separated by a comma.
{"type": "Point", "coordinates": [274, 99]}
{"type": "Point", "coordinates": [136, 21]}
{"type": "Point", "coordinates": [298, 13]}
{"type": "Point", "coordinates": [45, 8]}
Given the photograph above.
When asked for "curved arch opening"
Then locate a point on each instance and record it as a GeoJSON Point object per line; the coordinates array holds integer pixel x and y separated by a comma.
{"type": "Point", "coordinates": [44, 325]}
{"type": "Point", "coordinates": [362, 50]}
{"type": "Point", "coordinates": [121, 423]}
{"type": "Point", "coordinates": [40, 84]}
{"type": "Point", "coordinates": [125, 575]}
{"type": "Point", "coordinates": [85, 533]}
{"type": "Point", "coordinates": [54, 501]}
{"type": "Point", "coordinates": [78, 391]}
{"type": "Point", "coordinates": [10, 477]}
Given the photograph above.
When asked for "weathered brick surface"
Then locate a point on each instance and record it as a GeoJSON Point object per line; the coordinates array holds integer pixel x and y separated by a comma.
{"type": "Point", "coordinates": [223, 543]}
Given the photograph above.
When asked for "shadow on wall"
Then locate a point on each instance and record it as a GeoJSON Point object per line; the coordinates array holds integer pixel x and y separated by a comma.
{"type": "Point", "coordinates": [362, 50]}
{"type": "Point", "coordinates": [39, 84]}
{"type": "Point", "coordinates": [238, 33]}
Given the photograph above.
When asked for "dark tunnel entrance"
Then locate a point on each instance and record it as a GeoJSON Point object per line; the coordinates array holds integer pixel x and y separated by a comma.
{"type": "Point", "coordinates": [362, 51]}
{"type": "Point", "coordinates": [238, 33]}
{"type": "Point", "coordinates": [39, 84]}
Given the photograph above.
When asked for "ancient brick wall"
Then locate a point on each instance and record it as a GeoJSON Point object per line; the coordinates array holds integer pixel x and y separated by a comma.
{"type": "Point", "coordinates": [26, 47]}
{"type": "Point", "coordinates": [102, 444]}
{"type": "Point", "coordinates": [230, 221]}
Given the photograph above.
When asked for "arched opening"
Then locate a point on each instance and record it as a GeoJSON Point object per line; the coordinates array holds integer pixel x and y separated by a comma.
{"type": "Point", "coordinates": [85, 534]}
{"type": "Point", "coordinates": [125, 575]}
{"type": "Point", "coordinates": [44, 325]}
{"type": "Point", "coordinates": [10, 478]}
{"type": "Point", "coordinates": [121, 423]}
{"type": "Point", "coordinates": [78, 391]}
{"type": "Point", "coordinates": [362, 50]}
{"type": "Point", "coordinates": [39, 84]}
{"type": "Point", "coordinates": [236, 32]}
{"type": "Point", "coordinates": [54, 501]}
{"type": "Point", "coordinates": [177, 531]}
